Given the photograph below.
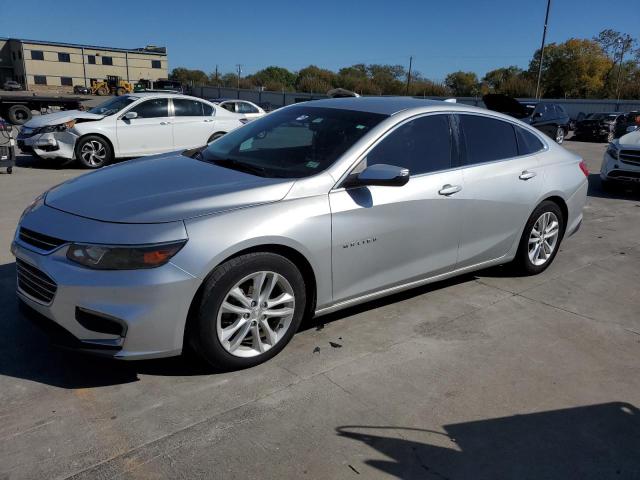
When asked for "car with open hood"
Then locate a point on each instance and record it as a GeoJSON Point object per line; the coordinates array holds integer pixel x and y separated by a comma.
{"type": "Point", "coordinates": [316, 207]}
{"type": "Point", "coordinates": [598, 126]}
{"type": "Point", "coordinates": [126, 126]}
{"type": "Point", "coordinates": [550, 118]}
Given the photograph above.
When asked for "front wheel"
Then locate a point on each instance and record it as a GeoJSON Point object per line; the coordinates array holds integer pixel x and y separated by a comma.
{"type": "Point", "coordinates": [559, 135]}
{"type": "Point", "coordinates": [540, 239]}
{"type": "Point", "coordinates": [93, 152]}
{"type": "Point", "coordinates": [251, 307]}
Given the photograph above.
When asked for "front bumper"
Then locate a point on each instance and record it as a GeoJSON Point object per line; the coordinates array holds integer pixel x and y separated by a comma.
{"type": "Point", "coordinates": [49, 145]}
{"type": "Point", "coordinates": [151, 305]}
{"type": "Point", "coordinates": [618, 170]}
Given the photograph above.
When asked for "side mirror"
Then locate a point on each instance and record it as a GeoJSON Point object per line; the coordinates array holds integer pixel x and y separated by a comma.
{"type": "Point", "coordinates": [537, 115]}
{"type": "Point", "coordinates": [382, 175]}
{"type": "Point", "coordinates": [130, 115]}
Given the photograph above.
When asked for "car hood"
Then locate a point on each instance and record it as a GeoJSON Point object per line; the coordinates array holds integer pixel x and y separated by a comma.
{"type": "Point", "coordinates": [163, 188]}
{"type": "Point", "coordinates": [630, 140]}
{"type": "Point", "coordinates": [62, 116]}
{"type": "Point", "coordinates": [504, 104]}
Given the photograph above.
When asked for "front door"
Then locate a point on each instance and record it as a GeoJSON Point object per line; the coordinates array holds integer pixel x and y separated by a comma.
{"type": "Point", "coordinates": [150, 132]}
{"type": "Point", "coordinates": [385, 236]}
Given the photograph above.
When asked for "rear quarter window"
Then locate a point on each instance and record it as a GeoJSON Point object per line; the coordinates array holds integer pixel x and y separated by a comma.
{"type": "Point", "coordinates": [528, 143]}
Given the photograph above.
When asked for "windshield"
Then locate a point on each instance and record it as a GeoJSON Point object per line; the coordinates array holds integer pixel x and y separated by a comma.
{"type": "Point", "coordinates": [112, 106]}
{"type": "Point", "coordinates": [292, 143]}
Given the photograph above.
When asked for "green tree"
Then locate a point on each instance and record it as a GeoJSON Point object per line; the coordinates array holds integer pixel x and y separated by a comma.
{"type": "Point", "coordinates": [187, 76]}
{"type": "Point", "coordinates": [576, 68]}
{"type": "Point", "coordinates": [273, 78]}
{"type": "Point", "coordinates": [463, 84]}
{"type": "Point", "coordinates": [315, 79]}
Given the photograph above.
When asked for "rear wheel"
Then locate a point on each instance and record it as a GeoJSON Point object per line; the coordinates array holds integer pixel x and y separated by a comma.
{"type": "Point", "coordinates": [93, 151]}
{"type": "Point", "coordinates": [102, 91]}
{"type": "Point", "coordinates": [251, 307]}
{"type": "Point", "coordinates": [19, 114]}
{"type": "Point", "coordinates": [559, 135]}
{"type": "Point", "coordinates": [540, 239]}
{"type": "Point", "coordinates": [610, 137]}
{"type": "Point", "coordinates": [120, 91]}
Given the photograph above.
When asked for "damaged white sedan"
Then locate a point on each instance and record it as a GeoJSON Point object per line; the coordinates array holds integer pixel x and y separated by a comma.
{"type": "Point", "coordinates": [127, 126]}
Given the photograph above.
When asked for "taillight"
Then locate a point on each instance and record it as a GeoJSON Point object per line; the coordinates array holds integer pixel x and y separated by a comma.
{"type": "Point", "coordinates": [583, 167]}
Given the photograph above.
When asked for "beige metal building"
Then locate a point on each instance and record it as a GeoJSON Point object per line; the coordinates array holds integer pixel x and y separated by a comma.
{"type": "Point", "coordinates": [41, 65]}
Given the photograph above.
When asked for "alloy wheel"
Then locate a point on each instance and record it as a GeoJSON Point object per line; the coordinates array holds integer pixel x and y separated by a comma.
{"type": "Point", "coordinates": [543, 238]}
{"type": "Point", "coordinates": [255, 314]}
{"type": "Point", "coordinates": [93, 153]}
{"type": "Point", "coordinates": [559, 135]}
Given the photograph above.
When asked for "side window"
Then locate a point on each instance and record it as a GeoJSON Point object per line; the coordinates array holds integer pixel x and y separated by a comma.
{"type": "Point", "coordinates": [187, 108]}
{"type": "Point", "coordinates": [527, 142]}
{"type": "Point", "coordinates": [487, 139]}
{"type": "Point", "coordinates": [207, 110]}
{"type": "Point", "coordinates": [422, 145]}
{"type": "Point", "coordinates": [154, 108]}
{"type": "Point", "coordinates": [37, 55]}
{"type": "Point", "coordinates": [246, 108]}
{"type": "Point", "coordinates": [229, 106]}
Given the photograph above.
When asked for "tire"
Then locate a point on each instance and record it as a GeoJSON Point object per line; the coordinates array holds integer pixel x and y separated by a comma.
{"type": "Point", "coordinates": [102, 92]}
{"type": "Point", "coordinates": [610, 137]}
{"type": "Point", "coordinates": [523, 262]}
{"type": "Point", "coordinates": [9, 170]}
{"type": "Point", "coordinates": [560, 134]}
{"type": "Point", "coordinates": [215, 136]}
{"type": "Point", "coordinates": [93, 152]}
{"type": "Point", "coordinates": [206, 328]}
{"type": "Point", "coordinates": [18, 114]}
{"type": "Point", "coordinates": [120, 91]}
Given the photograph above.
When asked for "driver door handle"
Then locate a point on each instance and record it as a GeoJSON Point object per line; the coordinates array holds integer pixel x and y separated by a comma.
{"type": "Point", "coordinates": [447, 189]}
{"type": "Point", "coordinates": [526, 175]}
{"type": "Point", "coordinates": [165, 123]}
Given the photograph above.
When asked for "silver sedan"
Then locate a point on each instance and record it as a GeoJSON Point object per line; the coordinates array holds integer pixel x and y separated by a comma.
{"type": "Point", "coordinates": [313, 208]}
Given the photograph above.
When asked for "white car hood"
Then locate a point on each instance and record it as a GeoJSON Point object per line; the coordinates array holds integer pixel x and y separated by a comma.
{"type": "Point", "coordinates": [62, 116]}
{"type": "Point", "coordinates": [630, 139]}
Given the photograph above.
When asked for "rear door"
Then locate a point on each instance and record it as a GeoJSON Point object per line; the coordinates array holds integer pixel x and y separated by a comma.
{"type": "Point", "coordinates": [191, 128]}
{"type": "Point", "coordinates": [150, 132]}
{"type": "Point", "coordinates": [502, 182]}
{"type": "Point", "coordinates": [383, 236]}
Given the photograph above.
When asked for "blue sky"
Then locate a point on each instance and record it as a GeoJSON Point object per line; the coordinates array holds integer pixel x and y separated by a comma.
{"type": "Point", "coordinates": [443, 36]}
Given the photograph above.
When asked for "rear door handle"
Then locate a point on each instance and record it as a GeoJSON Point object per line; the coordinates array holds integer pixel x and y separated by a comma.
{"type": "Point", "coordinates": [165, 123]}
{"type": "Point", "coordinates": [526, 175]}
{"type": "Point", "coordinates": [447, 189]}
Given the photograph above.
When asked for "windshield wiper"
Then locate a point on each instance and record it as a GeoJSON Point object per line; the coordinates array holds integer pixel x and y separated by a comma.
{"type": "Point", "coordinates": [241, 166]}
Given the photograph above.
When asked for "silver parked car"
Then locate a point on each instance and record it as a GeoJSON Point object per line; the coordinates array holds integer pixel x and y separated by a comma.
{"type": "Point", "coordinates": [313, 208]}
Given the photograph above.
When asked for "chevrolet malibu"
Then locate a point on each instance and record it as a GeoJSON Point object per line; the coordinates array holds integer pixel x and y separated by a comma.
{"type": "Point", "coordinates": [313, 208]}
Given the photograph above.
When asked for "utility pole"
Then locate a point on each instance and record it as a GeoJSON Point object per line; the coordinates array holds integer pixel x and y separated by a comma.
{"type": "Point", "coordinates": [623, 48]}
{"type": "Point", "coordinates": [544, 37]}
{"type": "Point", "coordinates": [409, 74]}
{"type": "Point", "coordinates": [217, 80]}
{"type": "Point", "coordinates": [239, 66]}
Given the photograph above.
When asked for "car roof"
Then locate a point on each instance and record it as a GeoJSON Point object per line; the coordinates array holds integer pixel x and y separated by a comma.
{"type": "Point", "coordinates": [383, 105]}
{"type": "Point", "coordinates": [162, 94]}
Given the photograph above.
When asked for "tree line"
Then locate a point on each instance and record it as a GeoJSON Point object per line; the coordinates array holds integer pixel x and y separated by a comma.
{"type": "Point", "coordinates": [605, 66]}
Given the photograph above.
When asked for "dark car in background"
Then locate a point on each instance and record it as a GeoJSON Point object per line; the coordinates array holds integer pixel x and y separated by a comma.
{"type": "Point", "coordinates": [630, 122]}
{"type": "Point", "coordinates": [598, 126]}
{"type": "Point", "coordinates": [550, 118]}
{"type": "Point", "coordinates": [81, 89]}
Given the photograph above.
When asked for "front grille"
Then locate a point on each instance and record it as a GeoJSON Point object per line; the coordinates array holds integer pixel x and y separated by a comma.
{"type": "Point", "coordinates": [624, 174]}
{"type": "Point", "coordinates": [39, 240]}
{"type": "Point", "coordinates": [35, 283]}
{"type": "Point", "coordinates": [630, 156]}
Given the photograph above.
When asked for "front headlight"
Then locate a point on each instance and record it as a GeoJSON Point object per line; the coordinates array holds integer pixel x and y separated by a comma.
{"type": "Point", "coordinates": [57, 128]}
{"type": "Point", "coordinates": [125, 257]}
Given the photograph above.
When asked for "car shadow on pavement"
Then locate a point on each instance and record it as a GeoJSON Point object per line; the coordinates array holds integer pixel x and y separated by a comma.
{"type": "Point", "coordinates": [619, 192]}
{"type": "Point", "coordinates": [588, 442]}
{"type": "Point", "coordinates": [26, 352]}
